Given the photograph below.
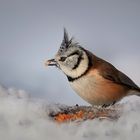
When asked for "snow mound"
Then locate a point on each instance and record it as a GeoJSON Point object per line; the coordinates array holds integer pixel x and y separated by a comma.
{"type": "Point", "coordinates": [25, 118]}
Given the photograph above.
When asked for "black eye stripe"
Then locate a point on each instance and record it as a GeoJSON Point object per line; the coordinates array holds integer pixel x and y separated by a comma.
{"type": "Point", "coordinates": [74, 53]}
{"type": "Point", "coordinates": [62, 59]}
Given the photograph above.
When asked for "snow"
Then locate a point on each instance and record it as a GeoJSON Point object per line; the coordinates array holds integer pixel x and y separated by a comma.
{"type": "Point", "coordinates": [25, 118]}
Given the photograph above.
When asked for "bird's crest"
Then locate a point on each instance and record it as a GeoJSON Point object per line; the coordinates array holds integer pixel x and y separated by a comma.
{"type": "Point", "coordinates": [66, 43]}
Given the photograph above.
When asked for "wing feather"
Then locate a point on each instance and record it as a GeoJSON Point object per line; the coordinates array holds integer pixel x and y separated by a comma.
{"type": "Point", "coordinates": [109, 72]}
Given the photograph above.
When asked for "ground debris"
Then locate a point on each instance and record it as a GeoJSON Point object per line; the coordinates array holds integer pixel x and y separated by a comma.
{"type": "Point", "coordinates": [82, 113]}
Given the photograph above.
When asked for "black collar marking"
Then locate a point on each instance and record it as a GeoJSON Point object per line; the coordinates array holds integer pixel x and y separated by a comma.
{"type": "Point", "coordinates": [71, 79]}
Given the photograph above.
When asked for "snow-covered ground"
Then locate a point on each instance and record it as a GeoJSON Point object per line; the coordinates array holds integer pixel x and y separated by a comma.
{"type": "Point", "coordinates": [25, 118]}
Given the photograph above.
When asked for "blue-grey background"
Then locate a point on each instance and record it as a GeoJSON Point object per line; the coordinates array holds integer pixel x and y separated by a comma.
{"type": "Point", "coordinates": [32, 30]}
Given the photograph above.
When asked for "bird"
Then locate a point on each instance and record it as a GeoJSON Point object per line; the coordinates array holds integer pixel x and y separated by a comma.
{"type": "Point", "coordinates": [94, 79]}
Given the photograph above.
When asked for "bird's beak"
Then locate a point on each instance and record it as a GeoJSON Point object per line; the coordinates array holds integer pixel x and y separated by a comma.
{"type": "Point", "coordinates": [51, 62]}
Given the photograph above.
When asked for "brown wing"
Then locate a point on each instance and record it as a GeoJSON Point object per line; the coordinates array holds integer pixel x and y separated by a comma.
{"type": "Point", "coordinates": [109, 72]}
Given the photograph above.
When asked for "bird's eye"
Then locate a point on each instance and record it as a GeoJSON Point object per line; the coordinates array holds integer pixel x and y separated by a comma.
{"type": "Point", "coordinates": [62, 59]}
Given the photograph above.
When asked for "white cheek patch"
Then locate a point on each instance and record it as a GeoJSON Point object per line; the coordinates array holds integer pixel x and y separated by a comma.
{"type": "Point", "coordinates": [72, 61]}
{"type": "Point", "coordinates": [79, 70]}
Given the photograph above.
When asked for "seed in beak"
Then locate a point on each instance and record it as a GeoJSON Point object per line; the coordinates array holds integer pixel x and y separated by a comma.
{"type": "Point", "coordinates": [50, 62]}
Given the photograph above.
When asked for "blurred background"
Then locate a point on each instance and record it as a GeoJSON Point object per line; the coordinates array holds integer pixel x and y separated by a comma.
{"type": "Point", "coordinates": [32, 30]}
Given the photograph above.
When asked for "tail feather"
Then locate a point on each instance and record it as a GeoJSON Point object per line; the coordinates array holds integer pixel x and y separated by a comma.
{"type": "Point", "coordinates": [137, 91]}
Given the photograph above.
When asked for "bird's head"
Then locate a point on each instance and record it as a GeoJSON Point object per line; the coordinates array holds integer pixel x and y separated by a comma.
{"type": "Point", "coordinates": [71, 58]}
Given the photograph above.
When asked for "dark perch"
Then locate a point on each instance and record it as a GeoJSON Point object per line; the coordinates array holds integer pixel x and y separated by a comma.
{"type": "Point", "coordinates": [82, 113]}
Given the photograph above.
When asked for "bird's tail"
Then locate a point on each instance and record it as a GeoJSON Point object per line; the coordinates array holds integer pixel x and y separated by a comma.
{"type": "Point", "coordinates": [137, 92]}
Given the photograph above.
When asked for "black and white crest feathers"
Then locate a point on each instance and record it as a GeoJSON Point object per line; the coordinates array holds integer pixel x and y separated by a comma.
{"type": "Point", "coordinates": [66, 43]}
{"type": "Point", "coordinates": [66, 38]}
